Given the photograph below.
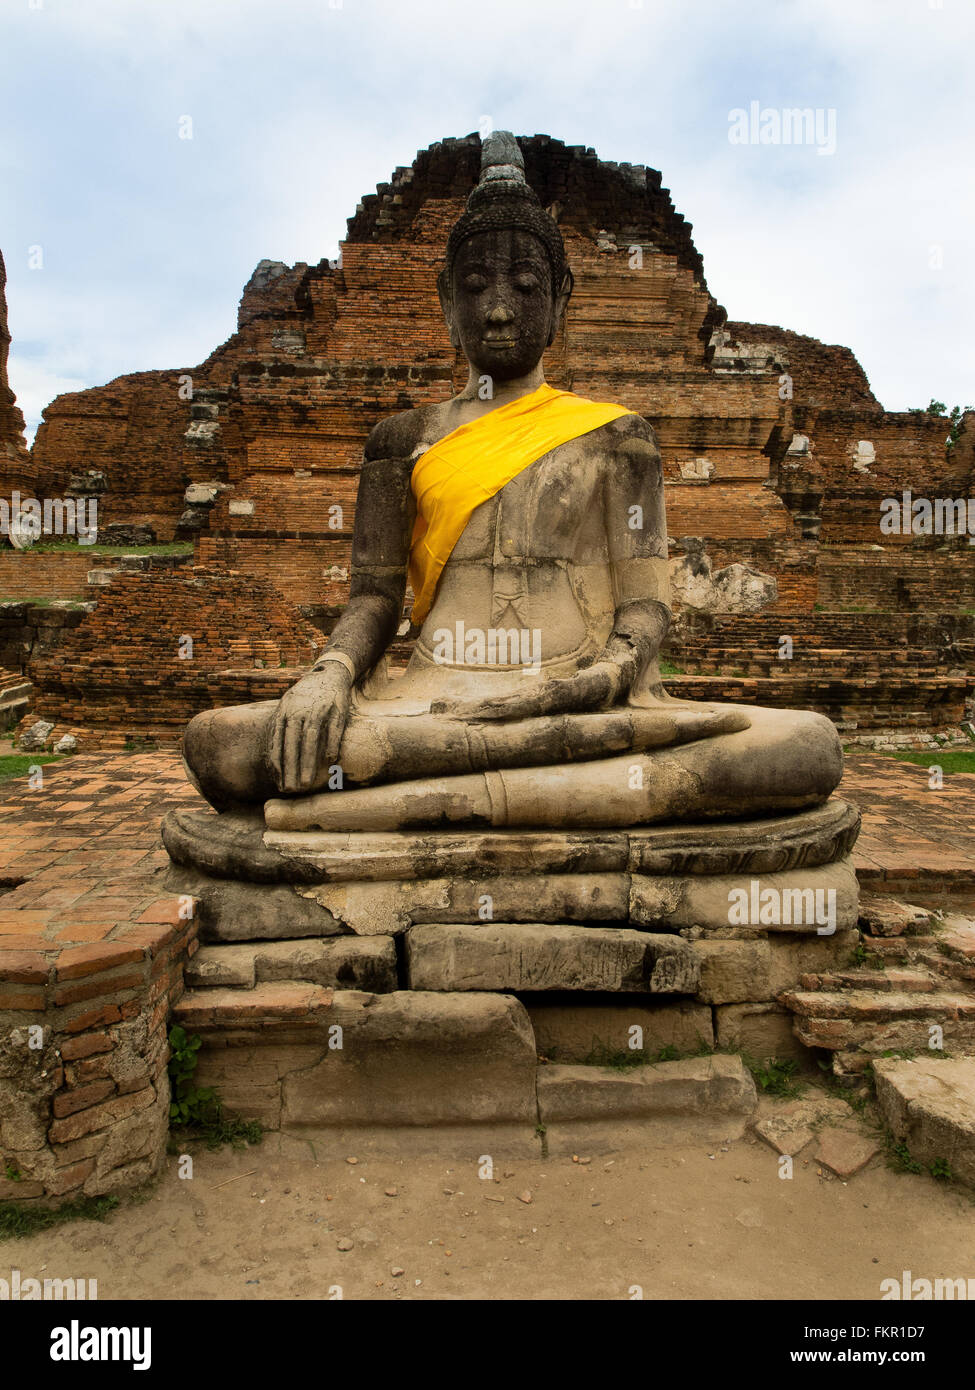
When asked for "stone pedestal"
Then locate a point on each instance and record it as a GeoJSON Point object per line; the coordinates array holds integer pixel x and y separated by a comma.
{"type": "Point", "coordinates": [470, 975]}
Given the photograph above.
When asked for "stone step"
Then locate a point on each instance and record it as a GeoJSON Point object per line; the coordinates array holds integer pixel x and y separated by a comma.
{"type": "Point", "coordinates": [879, 1021]}
{"type": "Point", "coordinates": [929, 1105]}
{"type": "Point", "coordinates": [899, 948]}
{"type": "Point", "coordinates": [299, 1056]}
{"type": "Point", "coordinates": [882, 916]}
{"type": "Point", "coordinates": [343, 962]}
{"type": "Point", "coordinates": [542, 956]}
{"type": "Point", "coordinates": [947, 965]}
{"type": "Point", "coordinates": [704, 1086]}
{"type": "Point", "coordinates": [958, 939]}
{"type": "Point", "coordinates": [878, 1004]}
{"type": "Point", "coordinates": [884, 981]}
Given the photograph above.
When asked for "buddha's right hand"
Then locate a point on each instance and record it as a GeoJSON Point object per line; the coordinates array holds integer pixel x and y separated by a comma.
{"type": "Point", "coordinates": [306, 733]}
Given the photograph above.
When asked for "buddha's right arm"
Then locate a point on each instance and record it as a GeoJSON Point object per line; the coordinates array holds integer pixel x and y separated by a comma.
{"type": "Point", "coordinates": [384, 517]}
{"type": "Point", "coordinates": [306, 732]}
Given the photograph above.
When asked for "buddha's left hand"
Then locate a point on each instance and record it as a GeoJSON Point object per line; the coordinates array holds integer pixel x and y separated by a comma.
{"type": "Point", "coordinates": [596, 687]}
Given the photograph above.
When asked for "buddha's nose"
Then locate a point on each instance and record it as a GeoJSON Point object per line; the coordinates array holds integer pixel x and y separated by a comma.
{"type": "Point", "coordinates": [501, 313]}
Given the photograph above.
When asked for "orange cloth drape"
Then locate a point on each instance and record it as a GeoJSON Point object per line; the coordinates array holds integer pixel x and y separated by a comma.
{"type": "Point", "coordinates": [476, 460]}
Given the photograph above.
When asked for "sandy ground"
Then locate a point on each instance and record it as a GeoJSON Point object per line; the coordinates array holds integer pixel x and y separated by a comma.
{"type": "Point", "coordinates": [677, 1223]}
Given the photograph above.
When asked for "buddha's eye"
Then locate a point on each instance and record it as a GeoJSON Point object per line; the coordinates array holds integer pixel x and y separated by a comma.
{"type": "Point", "coordinates": [527, 282]}
{"type": "Point", "coordinates": [474, 284]}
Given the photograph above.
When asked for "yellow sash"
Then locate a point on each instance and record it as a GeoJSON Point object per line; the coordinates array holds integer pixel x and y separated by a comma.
{"type": "Point", "coordinates": [476, 460]}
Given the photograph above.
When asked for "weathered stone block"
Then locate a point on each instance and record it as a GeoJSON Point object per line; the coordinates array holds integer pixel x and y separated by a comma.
{"type": "Point", "coordinates": [696, 1086]}
{"type": "Point", "coordinates": [733, 971]}
{"type": "Point", "coordinates": [344, 962]}
{"type": "Point", "coordinates": [572, 1031]}
{"type": "Point", "coordinates": [792, 955]}
{"type": "Point", "coordinates": [796, 897]}
{"type": "Point", "coordinates": [762, 1031]}
{"type": "Point", "coordinates": [541, 956]}
{"type": "Point", "coordinates": [413, 1058]}
{"type": "Point", "coordinates": [929, 1104]}
{"type": "Point", "coordinates": [387, 908]}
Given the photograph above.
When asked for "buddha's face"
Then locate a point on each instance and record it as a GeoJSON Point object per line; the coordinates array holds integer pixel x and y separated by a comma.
{"type": "Point", "coordinates": [502, 311]}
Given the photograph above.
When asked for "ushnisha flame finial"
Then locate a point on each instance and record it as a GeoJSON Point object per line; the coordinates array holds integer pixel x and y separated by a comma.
{"type": "Point", "coordinates": [503, 200]}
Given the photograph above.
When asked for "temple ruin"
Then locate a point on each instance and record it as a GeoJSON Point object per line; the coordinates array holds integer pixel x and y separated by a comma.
{"type": "Point", "coordinates": [777, 457]}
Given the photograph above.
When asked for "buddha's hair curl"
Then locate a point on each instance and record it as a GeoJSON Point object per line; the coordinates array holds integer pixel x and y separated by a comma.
{"type": "Point", "coordinates": [506, 205]}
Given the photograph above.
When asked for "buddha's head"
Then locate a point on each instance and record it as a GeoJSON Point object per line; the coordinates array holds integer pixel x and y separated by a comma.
{"type": "Point", "coordinates": [505, 283]}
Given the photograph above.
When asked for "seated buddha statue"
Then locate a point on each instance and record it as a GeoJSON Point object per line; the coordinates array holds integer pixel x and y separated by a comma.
{"type": "Point", "coordinates": [530, 523]}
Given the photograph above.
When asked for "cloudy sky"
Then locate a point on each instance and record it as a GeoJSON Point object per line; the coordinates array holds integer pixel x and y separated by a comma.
{"type": "Point", "coordinates": [127, 246]}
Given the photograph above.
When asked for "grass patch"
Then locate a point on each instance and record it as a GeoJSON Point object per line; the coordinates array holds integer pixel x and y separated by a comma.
{"type": "Point", "coordinates": [49, 602]}
{"type": "Point", "coordinates": [899, 1157]}
{"type": "Point", "coordinates": [70, 546]}
{"type": "Point", "coordinates": [20, 764]}
{"type": "Point", "coordinates": [18, 1220]}
{"type": "Point", "coordinates": [861, 955]}
{"type": "Point", "coordinates": [214, 1131]}
{"type": "Point", "coordinates": [776, 1077]}
{"type": "Point", "coordinates": [137, 743]}
{"type": "Point", "coordinates": [667, 668]}
{"type": "Point", "coordinates": [960, 760]}
{"type": "Point", "coordinates": [196, 1113]}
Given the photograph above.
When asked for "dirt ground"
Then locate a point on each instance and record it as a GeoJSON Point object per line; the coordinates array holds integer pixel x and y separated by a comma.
{"type": "Point", "coordinates": [696, 1221]}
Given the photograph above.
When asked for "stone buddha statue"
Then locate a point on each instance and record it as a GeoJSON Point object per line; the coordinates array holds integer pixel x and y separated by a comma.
{"type": "Point", "coordinates": [530, 523]}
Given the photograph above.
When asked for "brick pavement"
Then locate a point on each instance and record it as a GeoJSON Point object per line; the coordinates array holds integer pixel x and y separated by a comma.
{"type": "Point", "coordinates": [84, 849]}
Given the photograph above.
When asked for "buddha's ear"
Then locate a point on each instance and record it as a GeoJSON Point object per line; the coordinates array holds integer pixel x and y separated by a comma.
{"type": "Point", "coordinates": [447, 305]}
{"type": "Point", "coordinates": [561, 302]}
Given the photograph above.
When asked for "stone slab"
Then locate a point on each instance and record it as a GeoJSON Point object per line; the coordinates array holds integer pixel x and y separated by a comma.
{"type": "Point", "coordinates": [231, 911]}
{"type": "Point", "coordinates": [242, 911]}
{"type": "Point", "coordinates": [237, 845]}
{"type": "Point", "coordinates": [409, 1058]}
{"type": "Point", "coordinates": [541, 956]}
{"type": "Point", "coordinates": [738, 971]}
{"type": "Point", "coordinates": [929, 1104]}
{"type": "Point", "coordinates": [573, 1031]}
{"type": "Point", "coordinates": [714, 1085]}
{"type": "Point", "coordinates": [844, 1150]}
{"type": "Point", "coordinates": [344, 962]}
{"type": "Point", "coordinates": [762, 1031]}
{"type": "Point", "coordinates": [715, 902]}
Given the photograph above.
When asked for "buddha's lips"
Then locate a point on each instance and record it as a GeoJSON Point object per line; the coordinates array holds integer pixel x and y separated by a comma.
{"type": "Point", "coordinates": [500, 342]}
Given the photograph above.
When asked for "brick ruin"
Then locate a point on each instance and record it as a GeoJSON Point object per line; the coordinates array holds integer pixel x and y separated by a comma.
{"type": "Point", "coordinates": [777, 455]}
{"type": "Point", "coordinates": [15, 460]}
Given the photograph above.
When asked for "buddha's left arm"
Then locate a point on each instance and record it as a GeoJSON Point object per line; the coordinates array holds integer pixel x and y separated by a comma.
{"type": "Point", "coordinates": [636, 539]}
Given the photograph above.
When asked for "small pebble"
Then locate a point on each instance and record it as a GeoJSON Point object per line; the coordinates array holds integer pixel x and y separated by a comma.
{"type": "Point", "coordinates": [344, 1243]}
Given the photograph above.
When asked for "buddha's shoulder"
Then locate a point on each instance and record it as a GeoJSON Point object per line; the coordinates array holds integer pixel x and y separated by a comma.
{"type": "Point", "coordinates": [627, 441]}
{"type": "Point", "coordinates": [398, 436]}
{"type": "Point", "coordinates": [628, 430]}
